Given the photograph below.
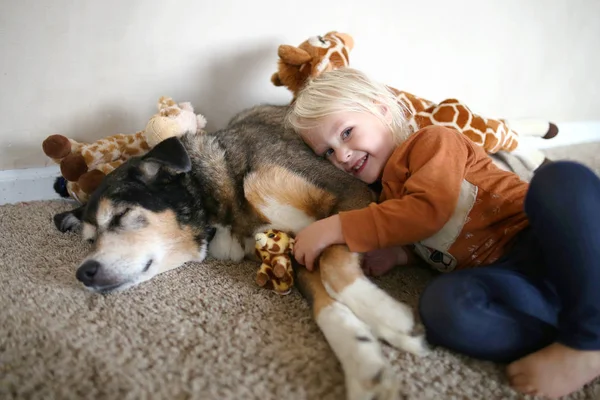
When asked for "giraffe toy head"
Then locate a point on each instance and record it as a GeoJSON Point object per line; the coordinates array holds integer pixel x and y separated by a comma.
{"type": "Point", "coordinates": [274, 248]}
{"type": "Point", "coordinates": [274, 242]}
{"type": "Point", "coordinates": [311, 58]}
{"type": "Point", "coordinates": [172, 119]}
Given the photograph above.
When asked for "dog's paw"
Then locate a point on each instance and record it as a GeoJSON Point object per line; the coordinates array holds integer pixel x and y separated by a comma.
{"type": "Point", "coordinates": [380, 385]}
{"type": "Point", "coordinates": [367, 373]}
{"type": "Point", "coordinates": [224, 246]}
{"type": "Point", "coordinates": [67, 221]}
{"type": "Point", "coordinates": [414, 344]}
{"type": "Point", "coordinates": [390, 320]}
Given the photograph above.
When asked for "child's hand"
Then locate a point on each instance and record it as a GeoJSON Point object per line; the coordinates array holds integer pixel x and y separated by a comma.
{"type": "Point", "coordinates": [379, 262]}
{"type": "Point", "coordinates": [312, 240]}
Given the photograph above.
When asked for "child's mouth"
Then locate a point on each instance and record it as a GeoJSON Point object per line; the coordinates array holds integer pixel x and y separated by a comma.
{"type": "Point", "coordinates": [360, 165]}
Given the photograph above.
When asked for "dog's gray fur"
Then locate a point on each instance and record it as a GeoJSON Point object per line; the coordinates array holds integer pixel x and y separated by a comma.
{"type": "Point", "coordinates": [200, 180]}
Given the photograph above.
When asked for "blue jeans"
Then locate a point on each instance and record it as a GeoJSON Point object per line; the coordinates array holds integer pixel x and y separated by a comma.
{"type": "Point", "coordinates": [545, 289]}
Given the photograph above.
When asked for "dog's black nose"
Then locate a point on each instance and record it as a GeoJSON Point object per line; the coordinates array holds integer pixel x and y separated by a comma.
{"type": "Point", "coordinates": [87, 271]}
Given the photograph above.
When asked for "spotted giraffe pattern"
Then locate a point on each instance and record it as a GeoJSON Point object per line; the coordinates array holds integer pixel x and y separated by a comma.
{"type": "Point", "coordinates": [331, 51]}
{"type": "Point", "coordinates": [116, 149]}
{"type": "Point", "coordinates": [274, 247]}
{"type": "Point", "coordinates": [491, 134]}
{"type": "Point", "coordinates": [97, 159]}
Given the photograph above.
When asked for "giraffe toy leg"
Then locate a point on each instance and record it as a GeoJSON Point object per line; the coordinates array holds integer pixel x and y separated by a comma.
{"type": "Point", "coordinates": [266, 279]}
{"type": "Point", "coordinates": [57, 147]}
{"type": "Point", "coordinates": [534, 128]}
{"type": "Point", "coordinates": [263, 276]}
{"type": "Point", "coordinates": [89, 181]}
{"type": "Point", "coordinates": [281, 266]}
{"type": "Point", "coordinates": [527, 153]}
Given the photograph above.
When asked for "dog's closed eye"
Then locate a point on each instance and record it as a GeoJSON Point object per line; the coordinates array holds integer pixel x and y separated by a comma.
{"type": "Point", "coordinates": [116, 221]}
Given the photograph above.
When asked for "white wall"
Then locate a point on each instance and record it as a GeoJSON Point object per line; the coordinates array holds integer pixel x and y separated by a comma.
{"type": "Point", "coordinates": [89, 68]}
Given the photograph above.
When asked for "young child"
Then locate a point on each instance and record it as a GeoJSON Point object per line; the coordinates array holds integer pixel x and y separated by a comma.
{"type": "Point", "coordinates": [526, 286]}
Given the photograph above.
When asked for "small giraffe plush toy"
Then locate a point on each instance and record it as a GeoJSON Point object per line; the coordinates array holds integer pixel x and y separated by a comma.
{"type": "Point", "coordinates": [324, 53]}
{"type": "Point", "coordinates": [84, 165]}
{"type": "Point", "coordinates": [274, 248]}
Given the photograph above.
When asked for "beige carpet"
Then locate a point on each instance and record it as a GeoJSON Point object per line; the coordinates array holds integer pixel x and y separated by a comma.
{"type": "Point", "coordinates": [202, 331]}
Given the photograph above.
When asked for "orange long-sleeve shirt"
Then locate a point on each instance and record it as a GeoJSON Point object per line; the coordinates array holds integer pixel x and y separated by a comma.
{"type": "Point", "coordinates": [443, 194]}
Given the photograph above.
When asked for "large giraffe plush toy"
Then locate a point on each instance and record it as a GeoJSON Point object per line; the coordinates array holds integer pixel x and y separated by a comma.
{"type": "Point", "coordinates": [324, 53]}
{"type": "Point", "coordinates": [84, 165]}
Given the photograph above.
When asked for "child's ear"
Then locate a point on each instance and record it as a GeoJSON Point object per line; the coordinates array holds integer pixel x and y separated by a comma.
{"type": "Point", "coordinates": [385, 112]}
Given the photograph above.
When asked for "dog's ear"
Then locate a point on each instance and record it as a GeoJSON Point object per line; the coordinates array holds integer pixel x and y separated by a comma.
{"type": "Point", "coordinates": [169, 156]}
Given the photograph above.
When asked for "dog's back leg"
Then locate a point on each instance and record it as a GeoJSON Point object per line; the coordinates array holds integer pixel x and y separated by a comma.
{"type": "Point", "coordinates": [389, 319]}
{"type": "Point", "coordinates": [368, 375]}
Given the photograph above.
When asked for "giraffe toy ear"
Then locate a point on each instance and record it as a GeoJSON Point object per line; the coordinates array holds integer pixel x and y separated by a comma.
{"type": "Point", "coordinates": [276, 80]}
{"type": "Point", "coordinates": [293, 55]}
{"type": "Point", "coordinates": [164, 102]}
{"type": "Point", "coordinates": [347, 39]}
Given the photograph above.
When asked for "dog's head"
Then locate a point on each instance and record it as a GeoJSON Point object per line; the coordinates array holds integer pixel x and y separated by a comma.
{"type": "Point", "coordinates": [142, 220]}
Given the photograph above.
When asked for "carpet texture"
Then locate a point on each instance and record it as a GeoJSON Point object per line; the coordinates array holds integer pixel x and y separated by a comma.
{"type": "Point", "coordinates": [201, 331]}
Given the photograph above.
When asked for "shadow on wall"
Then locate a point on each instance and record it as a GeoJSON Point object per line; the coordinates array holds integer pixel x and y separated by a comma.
{"type": "Point", "coordinates": [237, 80]}
{"type": "Point", "coordinates": [218, 88]}
{"type": "Point", "coordinates": [114, 120]}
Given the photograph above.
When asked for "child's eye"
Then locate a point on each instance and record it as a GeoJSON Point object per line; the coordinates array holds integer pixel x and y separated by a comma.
{"type": "Point", "coordinates": [346, 133]}
{"type": "Point", "coordinates": [328, 153]}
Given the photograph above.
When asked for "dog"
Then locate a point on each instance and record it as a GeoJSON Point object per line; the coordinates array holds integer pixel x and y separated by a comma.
{"type": "Point", "coordinates": [209, 194]}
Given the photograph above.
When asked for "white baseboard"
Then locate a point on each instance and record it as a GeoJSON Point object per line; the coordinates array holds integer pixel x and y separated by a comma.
{"type": "Point", "coordinates": [37, 183]}
{"type": "Point", "coordinates": [29, 184]}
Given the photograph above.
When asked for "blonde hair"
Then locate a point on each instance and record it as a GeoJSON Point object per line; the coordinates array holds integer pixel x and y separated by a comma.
{"type": "Point", "coordinates": [347, 90]}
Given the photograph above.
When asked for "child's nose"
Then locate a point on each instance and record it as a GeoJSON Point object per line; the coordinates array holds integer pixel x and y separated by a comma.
{"type": "Point", "coordinates": [343, 155]}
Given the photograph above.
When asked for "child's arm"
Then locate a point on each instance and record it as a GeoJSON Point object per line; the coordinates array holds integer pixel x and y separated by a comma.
{"type": "Point", "coordinates": [315, 238]}
{"type": "Point", "coordinates": [437, 163]}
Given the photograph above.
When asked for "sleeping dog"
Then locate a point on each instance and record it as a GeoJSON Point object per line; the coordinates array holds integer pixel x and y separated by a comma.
{"type": "Point", "coordinates": [209, 194]}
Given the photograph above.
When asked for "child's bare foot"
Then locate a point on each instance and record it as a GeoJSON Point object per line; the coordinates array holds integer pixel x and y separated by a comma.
{"type": "Point", "coordinates": [554, 371]}
{"type": "Point", "coordinates": [378, 262]}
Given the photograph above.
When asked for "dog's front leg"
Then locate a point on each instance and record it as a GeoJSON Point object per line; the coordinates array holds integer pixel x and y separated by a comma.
{"type": "Point", "coordinates": [368, 375]}
{"type": "Point", "coordinates": [389, 319]}
{"type": "Point", "coordinates": [225, 245]}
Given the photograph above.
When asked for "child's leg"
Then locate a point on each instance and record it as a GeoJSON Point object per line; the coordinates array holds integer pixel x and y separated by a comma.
{"type": "Point", "coordinates": [563, 207]}
{"type": "Point", "coordinates": [493, 313]}
{"type": "Point", "coordinates": [379, 262]}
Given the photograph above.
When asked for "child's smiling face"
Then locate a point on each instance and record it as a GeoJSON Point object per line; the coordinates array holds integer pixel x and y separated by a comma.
{"type": "Point", "coordinates": [358, 143]}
